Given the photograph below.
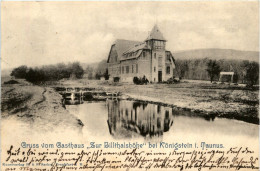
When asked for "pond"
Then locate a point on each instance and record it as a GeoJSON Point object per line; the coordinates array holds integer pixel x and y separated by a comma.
{"type": "Point", "coordinates": [125, 120]}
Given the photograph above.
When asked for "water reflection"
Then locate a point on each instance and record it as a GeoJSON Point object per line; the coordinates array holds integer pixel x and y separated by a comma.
{"type": "Point", "coordinates": [131, 120]}
{"type": "Point", "coordinates": [146, 119]}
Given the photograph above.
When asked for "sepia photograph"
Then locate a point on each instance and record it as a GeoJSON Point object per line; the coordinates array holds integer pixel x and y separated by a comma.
{"type": "Point", "coordinates": [129, 85]}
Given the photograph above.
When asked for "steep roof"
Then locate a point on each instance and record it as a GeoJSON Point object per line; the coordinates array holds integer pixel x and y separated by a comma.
{"type": "Point", "coordinates": [123, 45]}
{"type": "Point", "coordinates": [136, 48]}
{"type": "Point", "coordinates": [155, 34]}
{"type": "Point", "coordinates": [135, 55]}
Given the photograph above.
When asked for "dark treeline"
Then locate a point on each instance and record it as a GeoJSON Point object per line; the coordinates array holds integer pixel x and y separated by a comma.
{"type": "Point", "coordinates": [48, 72]}
{"type": "Point", "coordinates": [197, 69]}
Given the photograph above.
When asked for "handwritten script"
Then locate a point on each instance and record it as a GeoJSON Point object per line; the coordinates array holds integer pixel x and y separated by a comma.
{"type": "Point", "coordinates": [234, 158]}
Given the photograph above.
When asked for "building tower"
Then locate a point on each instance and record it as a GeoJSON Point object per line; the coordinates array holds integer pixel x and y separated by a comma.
{"type": "Point", "coordinates": [156, 42]}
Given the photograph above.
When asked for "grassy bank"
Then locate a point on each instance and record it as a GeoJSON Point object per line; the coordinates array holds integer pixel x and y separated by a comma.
{"type": "Point", "coordinates": [40, 106]}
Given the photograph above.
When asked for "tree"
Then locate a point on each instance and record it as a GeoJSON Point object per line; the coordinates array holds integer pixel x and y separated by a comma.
{"type": "Point", "coordinates": [235, 77]}
{"type": "Point", "coordinates": [252, 73]}
{"type": "Point", "coordinates": [35, 75]}
{"type": "Point", "coordinates": [89, 72]}
{"type": "Point", "coordinates": [76, 69]}
{"type": "Point", "coordinates": [213, 69]}
{"type": "Point", "coordinates": [101, 68]}
{"type": "Point", "coordinates": [184, 69]}
{"type": "Point", "coordinates": [106, 75]}
{"type": "Point", "coordinates": [19, 72]}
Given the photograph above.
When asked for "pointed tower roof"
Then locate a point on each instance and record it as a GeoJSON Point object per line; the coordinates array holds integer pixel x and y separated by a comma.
{"type": "Point", "coordinates": [155, 34]}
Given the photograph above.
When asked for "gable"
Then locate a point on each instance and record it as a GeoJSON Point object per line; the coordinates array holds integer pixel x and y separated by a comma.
{"type": "Point", "coordinates": [169, 53]}
{"type": "Point", "coordinates": [113, 56]}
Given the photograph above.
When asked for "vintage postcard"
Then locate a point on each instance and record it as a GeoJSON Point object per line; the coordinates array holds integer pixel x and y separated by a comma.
{"type": "Point", "coordinates": [130, 86]}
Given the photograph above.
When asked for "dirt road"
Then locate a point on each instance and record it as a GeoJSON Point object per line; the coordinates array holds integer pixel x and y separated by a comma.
{"type": "Point", "coordinates": [40, 106]}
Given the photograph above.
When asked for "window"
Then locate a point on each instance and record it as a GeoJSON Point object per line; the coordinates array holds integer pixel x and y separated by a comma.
{"type": "Point", "coordinates": [136, 68]}
{"type": "Point", "coordinates": [143, 53]}
{"type": "Point", "coordinates": [154, 55]}
{"type": "Point", "coordinates": [122, 70]}
{"type": "Point", "coordinates": [127, 69]}
{"type": "Point", "coordinates": [159, 44]}
{"type": "Point", "coordinates": [168, 70]}
{"type": "Point", "coordinates": [158, 109]}
{"type": "Point", "coordinates": [132, 68]}
{"type": "Point", "coordinates": [158, 122]}
{"type": "Point", "coordinates": [160, 61]}
{"type": "Point", "coordinates": [166, 114]}
{"type": "Point", "coordinates": [154, 69]}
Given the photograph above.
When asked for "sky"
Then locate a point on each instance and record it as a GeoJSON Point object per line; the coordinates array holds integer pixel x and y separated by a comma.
{"type": "Point", "coordinates": [41, 33]}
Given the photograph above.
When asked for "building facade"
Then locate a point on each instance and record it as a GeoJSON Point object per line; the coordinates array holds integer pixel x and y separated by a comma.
{"type": "Point", "coordinates": [128, 59]}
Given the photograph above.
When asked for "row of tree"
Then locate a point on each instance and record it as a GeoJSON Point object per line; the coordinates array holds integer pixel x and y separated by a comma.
{"type": "Point", "coordinates": [48, 72]}
{"type": "Point", "coordinates": [207, 69]}
{"type": "Point", "coordinates": [196, 69]}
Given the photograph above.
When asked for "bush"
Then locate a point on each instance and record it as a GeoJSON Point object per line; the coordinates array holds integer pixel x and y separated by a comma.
{"type": "Point", "coordinates": [173, 80]}
{"type": "Point", "coordinates": [136, 80]}
{"type": "Point", "coordinates": [116, 79]}
{"type": "Point", "coordinates": [11, 82]}
{"type": "Point", "coordinates": [140, 81]}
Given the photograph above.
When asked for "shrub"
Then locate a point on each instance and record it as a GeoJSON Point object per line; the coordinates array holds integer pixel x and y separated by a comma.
{"type": "Point", "coordinates": [140, 81]}
{"type": "Point", "coordinates": [173, 80]}
{"type": "Point", "coordinates": [11, 82]}
{"type": "Point", "coordinates": [136, 80]}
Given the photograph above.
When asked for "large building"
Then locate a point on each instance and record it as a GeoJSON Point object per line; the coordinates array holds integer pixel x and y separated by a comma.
{"type": "Point", "coordinates": [128, 59]}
